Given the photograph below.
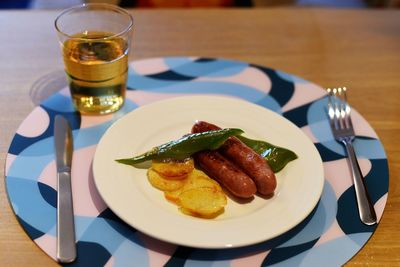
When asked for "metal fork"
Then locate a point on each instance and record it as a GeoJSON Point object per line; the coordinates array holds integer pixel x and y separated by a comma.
{"type": "Point", "coordinates": [343, 131]}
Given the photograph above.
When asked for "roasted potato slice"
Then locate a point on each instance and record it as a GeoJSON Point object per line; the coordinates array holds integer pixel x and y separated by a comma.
{"type": "Point", "coordinates": [196, 179]}
{"type": "Point", "coordinates": [203, 201]}
{"type": "Point", "coordinates": [200, 179]}
{"type": "Point", "coordinates": [174, 169]}
{"type": "Point", "coordinates": [159, 182]}
{"type": "Point", "coordinates": [205, 216]}
{"type": "Point", "coordinates": [198, 195]}
{"type": "Point", "coordinates": [173, 195]}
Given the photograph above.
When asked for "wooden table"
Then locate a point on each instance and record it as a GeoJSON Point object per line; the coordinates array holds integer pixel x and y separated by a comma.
{"type": "Point", "coordinates": [359, 49]}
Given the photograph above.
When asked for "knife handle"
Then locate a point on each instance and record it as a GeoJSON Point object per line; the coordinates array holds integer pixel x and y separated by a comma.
{"type": "Point", "coordinates": [66, 248]}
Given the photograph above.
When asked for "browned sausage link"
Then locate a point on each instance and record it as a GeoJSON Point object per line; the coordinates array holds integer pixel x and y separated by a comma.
{"type": "Point", "coordinates": [249, 161]}
{"type": "Point", "coordinates": [222, 170]}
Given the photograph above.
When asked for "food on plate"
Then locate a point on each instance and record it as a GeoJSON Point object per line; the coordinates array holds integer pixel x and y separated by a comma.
{"type": "Point", "coordinates": [195, 179]}
{"type": "Point", "coordinates": [250, 162]}
{"type": "Point", "coordinates": [163, 183]}
{"type": "Point", "coordinates": [196, 194]}
{"type": "Point", "coordinates": [173, 169]}
{"type": "Point", "coordinates": [185, 146]}
{"type": "Point", "coordinates": [225, 172]}
{"type": "Point", "coordinates": [242, 165]}
{"type": "Point", "coordinates": [277, 157]}
{"type": "Point", "coordinates": [204, 202]}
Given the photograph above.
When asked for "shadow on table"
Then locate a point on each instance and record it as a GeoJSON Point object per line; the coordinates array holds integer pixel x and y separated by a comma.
{"type": "Point", "coordinates": [47, 85]}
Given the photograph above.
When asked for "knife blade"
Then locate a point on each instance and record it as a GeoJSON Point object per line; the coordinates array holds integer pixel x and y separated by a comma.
{"type": "Point", "coordinates": [63, 144]}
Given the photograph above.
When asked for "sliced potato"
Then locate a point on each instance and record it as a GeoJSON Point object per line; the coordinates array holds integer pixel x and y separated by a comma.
{"type": "Point", "coordinates": [159, 182]}
{"type": "Point", "coordinates": [203, 201]}
{"type": "Point", "coordinates": [200, 179]}
{"type": "Point", "coordinates": [173, 195]}
{"type": "Point", "coordinates": [205, 216]}
{"type": "Point", "coordinates": [181, 177]}
{"type": "Point", "coordinates": [176, 169]}
{"type": "Point", "coordinates": [191, 190]}
{"type": "Point", "coordinates": [196, 179]}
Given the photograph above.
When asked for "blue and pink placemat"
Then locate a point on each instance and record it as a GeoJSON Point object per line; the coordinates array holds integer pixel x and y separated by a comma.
{"type": "Point", "coordinates": [329, 236]}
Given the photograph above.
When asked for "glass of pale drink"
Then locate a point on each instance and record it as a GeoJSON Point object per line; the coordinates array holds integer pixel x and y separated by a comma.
{"type": "Point", "coordinates": [95, 41]}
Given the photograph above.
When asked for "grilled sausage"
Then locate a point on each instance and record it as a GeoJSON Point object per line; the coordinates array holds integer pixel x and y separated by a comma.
{"type": "Point", "coordinates": [222, 170]}
{"type": "Point", "coordinates": [245, 158]}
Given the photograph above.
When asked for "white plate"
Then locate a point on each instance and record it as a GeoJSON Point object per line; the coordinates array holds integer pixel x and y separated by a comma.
{"type": "Point", "coordinates": [129, 195]}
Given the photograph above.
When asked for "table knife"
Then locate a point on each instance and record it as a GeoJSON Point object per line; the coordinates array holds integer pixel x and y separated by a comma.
{"type": "Point", "coordinates": [63, 144]}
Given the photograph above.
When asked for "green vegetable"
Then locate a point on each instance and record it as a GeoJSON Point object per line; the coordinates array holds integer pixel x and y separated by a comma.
{"type": "Point", "coordinates": [277, 157]}
{"type": "Point", "coordinates": [185, 146]}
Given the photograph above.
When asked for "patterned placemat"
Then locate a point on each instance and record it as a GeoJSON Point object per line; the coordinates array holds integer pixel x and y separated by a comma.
{"type": "Point", "coordinates": [330, 236]}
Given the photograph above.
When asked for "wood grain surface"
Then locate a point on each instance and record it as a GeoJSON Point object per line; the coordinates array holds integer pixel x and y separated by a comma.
{"type": "Point", "coordinates": [359, 49]}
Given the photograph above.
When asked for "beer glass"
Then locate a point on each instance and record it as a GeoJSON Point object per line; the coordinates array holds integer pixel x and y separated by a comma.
{"type": "Point", "coordinates": [95, 42]}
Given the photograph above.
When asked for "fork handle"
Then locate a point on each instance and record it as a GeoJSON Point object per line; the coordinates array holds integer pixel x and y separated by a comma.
{"type": "Point", "coordinates": [365, 207]}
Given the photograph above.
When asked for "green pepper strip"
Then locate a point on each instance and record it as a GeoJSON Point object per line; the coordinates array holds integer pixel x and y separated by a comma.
{"type": "Point", "coordinates": [185, 146]}
{"type": "Point", "coordinates": [277, 157]}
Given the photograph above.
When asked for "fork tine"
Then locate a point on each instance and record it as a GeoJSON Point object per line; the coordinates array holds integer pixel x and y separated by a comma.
{"type": "Point", "coordinates": [331, 112]}
{"type": "Point", "coordinates": [337, 108]}
{"type": "Point", "coordinates": [342, 112]}
{"type": "Point", "coordinates": [347, 109]}
{"type": "Point", "coordinates": [334, 104]}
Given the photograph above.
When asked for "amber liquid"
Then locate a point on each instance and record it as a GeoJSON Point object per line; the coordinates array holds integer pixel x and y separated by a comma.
{"type": "Point", "coordinates": [97, 71]}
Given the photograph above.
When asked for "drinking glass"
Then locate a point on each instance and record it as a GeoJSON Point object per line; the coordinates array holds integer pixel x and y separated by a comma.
{"type": "Point", "coordinates": [95, 42]}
